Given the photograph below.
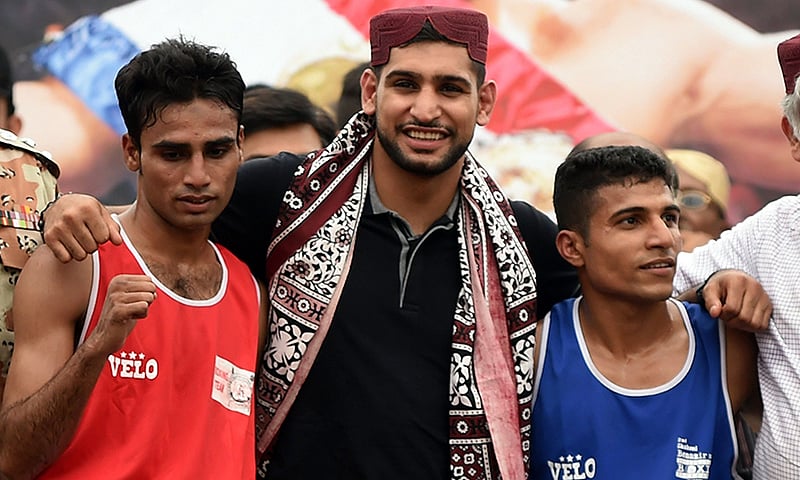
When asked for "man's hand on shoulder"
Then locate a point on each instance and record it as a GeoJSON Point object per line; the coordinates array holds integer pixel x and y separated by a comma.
{"type": "Point", "coordinates": [736, 298]}
{"type": "Point", "coordinates": [76, 224]}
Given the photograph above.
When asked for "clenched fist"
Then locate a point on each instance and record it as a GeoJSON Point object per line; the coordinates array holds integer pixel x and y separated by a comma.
{"type": "Point", "coordinates": [127, 301]}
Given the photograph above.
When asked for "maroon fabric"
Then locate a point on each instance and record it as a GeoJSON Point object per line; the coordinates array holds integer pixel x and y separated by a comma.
{"type": "Point", "coordinates": [789, 58]}
{"type": "Point", "coordinates": [396, 27]}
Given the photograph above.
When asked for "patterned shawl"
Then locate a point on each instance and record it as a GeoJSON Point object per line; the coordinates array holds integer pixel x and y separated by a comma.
{"type": "Point", "coordinates": [494, 320]}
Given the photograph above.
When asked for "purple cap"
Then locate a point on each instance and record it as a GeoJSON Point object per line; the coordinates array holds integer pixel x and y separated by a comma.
{"type": "Point", "coordinates": [396, 27]}
{"type": "Point", "coordinates": [789, 58]}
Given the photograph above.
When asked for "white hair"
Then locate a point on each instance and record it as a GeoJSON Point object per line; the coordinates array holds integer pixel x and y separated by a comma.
{"type": "Point", "coordinates": [791, 108]}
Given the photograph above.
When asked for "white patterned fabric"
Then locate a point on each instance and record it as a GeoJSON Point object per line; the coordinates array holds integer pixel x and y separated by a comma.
{"type": "Point", "coordinates": [767, 247]}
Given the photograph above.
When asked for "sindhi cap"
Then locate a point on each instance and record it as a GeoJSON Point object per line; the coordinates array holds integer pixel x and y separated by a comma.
{"type": "Point", "coordinates": [396, 27]}
{"type": "Point", "coordinates": [789, 58]}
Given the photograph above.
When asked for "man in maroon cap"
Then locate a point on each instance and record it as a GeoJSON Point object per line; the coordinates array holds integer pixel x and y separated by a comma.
{"type": "Point", "coordinates": [767, 246]}
{"type": "Point", "coordinates": [423, 371]}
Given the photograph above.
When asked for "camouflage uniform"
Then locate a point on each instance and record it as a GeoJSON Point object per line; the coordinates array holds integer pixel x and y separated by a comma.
{"type": "Point", "coordinates": [27, 184]}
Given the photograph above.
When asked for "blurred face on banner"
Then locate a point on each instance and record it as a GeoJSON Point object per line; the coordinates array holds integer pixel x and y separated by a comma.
{"type": "Point", "coordinates": [83, 145]}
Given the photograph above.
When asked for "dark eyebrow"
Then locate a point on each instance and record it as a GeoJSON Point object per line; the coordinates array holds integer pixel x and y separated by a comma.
{"type": "Point", "coordinates": [673, 208]}
{"type": "Point", "coordinates": [627, 211]}
{"type": "Point", "coordinates": [222, 141]}
{"type": "Point", "coordinates": [168, 144]}
{"type": "Point", "coordinates": [631, 210]}
{"type": "Point", "coordinates": [438, 78]}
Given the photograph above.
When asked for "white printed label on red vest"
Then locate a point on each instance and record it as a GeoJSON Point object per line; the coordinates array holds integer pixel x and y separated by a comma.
{"type": "Point", "coordinates": [133, 365]}
{"type": "Point", "coordinates": [232, 386]}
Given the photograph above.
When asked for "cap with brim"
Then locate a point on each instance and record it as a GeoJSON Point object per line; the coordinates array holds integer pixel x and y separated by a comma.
{"type": "Point", "coordinates": [396, 27]}
{"type": "Point", "coordinates": [789, 58]}
{"type": "Point", "coordinates": [708, 170]}
{"type": "Point", "coordinates": [10, 140]}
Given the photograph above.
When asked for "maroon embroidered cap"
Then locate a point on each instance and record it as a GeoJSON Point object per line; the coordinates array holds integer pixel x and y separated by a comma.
{"type": "Point", "coordinates": [396, 27]}
{"type": "Point", "coordinates": [789, 58]}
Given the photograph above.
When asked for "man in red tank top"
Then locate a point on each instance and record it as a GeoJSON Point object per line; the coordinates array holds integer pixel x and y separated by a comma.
{"type": "Point", "coordinates": [140, 362]}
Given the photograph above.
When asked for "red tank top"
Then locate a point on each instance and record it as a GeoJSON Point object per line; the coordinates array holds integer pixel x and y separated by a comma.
{"type": "Point", "coordinates": [176, 400]}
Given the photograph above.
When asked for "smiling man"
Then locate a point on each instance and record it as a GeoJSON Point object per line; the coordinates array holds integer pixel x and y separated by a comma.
{"type": "Point", "coordinates": [400, 281]}
{"type": "Point", "coordinates": [644, 359]}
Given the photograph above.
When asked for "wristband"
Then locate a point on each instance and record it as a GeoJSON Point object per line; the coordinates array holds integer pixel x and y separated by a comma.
{"type": "Point", "coordinates": [699, 292]}
{"type": "Point", "coordinates": [40, 223]}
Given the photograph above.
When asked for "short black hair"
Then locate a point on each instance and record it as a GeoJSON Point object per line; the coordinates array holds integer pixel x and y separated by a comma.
{"type": "Point", "coordinates": [584, 172]}
{"type": "Point", "coordinates": [6, 80]}
{"type": "Point", "coordinates": [175, 71]}
{"type": "Point", "coordinates": [268, 107]}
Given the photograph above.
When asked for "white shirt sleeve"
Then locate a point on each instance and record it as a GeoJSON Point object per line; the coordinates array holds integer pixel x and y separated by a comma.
{"type": "Point", "coordinates": [738, 248]}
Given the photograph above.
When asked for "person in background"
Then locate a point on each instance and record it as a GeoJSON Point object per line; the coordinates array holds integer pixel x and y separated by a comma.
{"type": "Point", "coordinates": [621, 138]}
{"type": "Point", "coordinates": [642, 357]}
{"type": "Point", "coordinates": [350, 99]}
{"type": "Point", "coordinates": [142, 360]}
{"type": "Point", "coordinates": [9, 120]}
{"type": "Point", "coordinates": [766, 246]}
{"type": "Point", "coordinates": [28, 182]}
{"type": "Point", "coordinates": [703, 196]}
{"type": "Point", "coordinates": [283, 120]}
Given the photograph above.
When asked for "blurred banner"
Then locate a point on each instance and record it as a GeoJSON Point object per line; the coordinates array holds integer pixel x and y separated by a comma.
{"type": "Point", "coordinates": [682, 73]}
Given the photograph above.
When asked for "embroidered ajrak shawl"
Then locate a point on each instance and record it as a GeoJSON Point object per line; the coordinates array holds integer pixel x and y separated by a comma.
{"type": "Point", "coordinates": [494, 320]}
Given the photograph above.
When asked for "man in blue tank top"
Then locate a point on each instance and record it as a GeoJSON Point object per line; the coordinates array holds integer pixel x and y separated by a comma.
{"type": "Point", "coordinates": [630, 383]}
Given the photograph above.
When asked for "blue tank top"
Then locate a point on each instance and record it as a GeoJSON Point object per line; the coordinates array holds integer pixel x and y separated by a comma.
{"type": "Point", "coordinates": [586, 427]}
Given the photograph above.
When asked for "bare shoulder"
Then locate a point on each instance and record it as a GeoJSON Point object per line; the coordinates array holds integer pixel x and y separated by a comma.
{"type": "Point", "coordinates": [47, 278]}
{"type": "Point", "coordinates": [49, 298]}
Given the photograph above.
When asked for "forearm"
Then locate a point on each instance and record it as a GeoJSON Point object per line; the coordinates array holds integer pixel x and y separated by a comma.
{"type": "Point", "coordinates": [36, 430]}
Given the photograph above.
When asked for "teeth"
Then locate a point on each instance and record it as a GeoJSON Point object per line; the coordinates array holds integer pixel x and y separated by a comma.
{"type": "Point", "coordinates": [425, 135]}
{"type": "Point", "coordinates": [659, 265]}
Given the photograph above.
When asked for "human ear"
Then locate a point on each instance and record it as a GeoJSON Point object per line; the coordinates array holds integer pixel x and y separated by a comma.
{"type": "Point", "coordinates": [571, 247]}
{"type": "Point", "coordinates": [132, 153]}
{"type": "Point", "coordinates": [369, 90]}
{"type": "Point", "coordinates": [794, 142]}
{"type": "Point", "coordinates": [487, 96]}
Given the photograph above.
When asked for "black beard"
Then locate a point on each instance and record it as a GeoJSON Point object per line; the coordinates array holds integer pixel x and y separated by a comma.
{"type": "Point", "coordinates": [451, 157]}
